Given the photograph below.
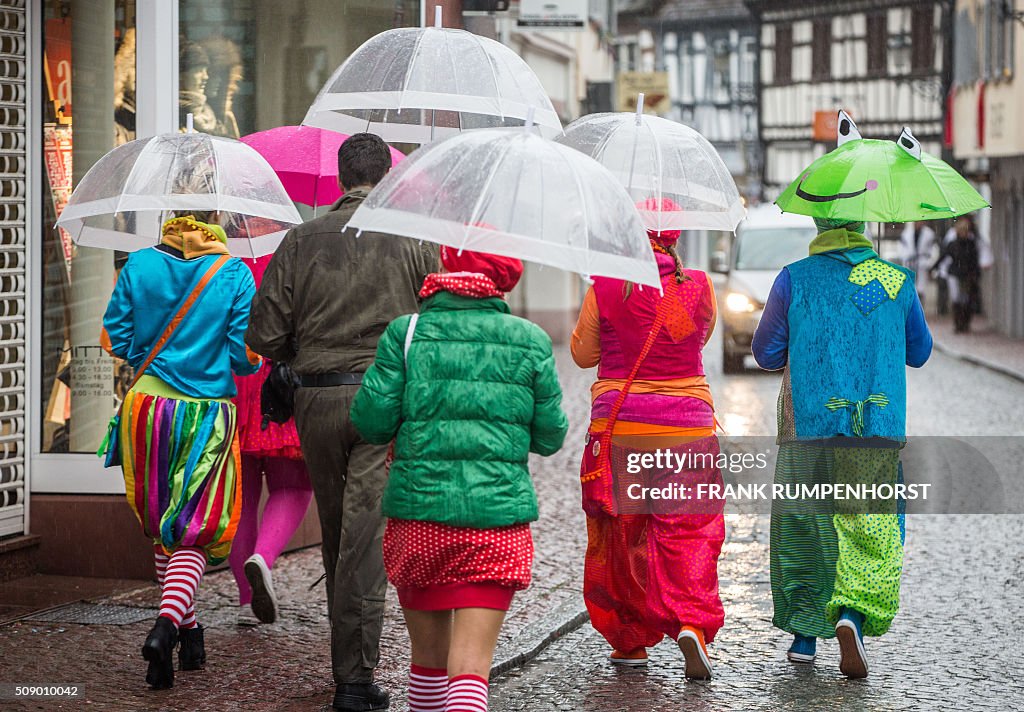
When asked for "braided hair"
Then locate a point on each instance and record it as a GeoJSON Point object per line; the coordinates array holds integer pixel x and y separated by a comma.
{"type": "Point", "coordinates": [627, 289]}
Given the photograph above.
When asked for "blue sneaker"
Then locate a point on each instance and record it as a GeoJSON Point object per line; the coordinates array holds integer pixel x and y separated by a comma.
{"type": "Point", "coordinates": [803, 649]}
{"type": "Point", "coordinates": [853, 660]}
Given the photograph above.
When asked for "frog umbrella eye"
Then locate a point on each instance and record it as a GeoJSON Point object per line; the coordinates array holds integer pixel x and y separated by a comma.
{"type": "Point", "coordinates": [908, 143]}
{"type": "Point", "coordinates": [846, 130]}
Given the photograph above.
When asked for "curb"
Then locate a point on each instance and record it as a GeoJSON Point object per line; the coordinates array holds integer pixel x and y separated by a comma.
{"type": "Point", "coordinates": [534, 638]}
{"type": "Point", "coordinates": [976, 361]}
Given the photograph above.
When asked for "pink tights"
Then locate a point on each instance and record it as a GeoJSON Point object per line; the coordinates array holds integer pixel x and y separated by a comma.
{"type": "Point", "coordinates": [288, 498]}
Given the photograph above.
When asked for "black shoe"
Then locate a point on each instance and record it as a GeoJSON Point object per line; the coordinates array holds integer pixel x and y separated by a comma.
{"type": "Point", "coordinates": [158, 650]}
{"type": "Point", "coordinates": [192, 653]}
{"type": "Point", "coordinates": [360, 697]}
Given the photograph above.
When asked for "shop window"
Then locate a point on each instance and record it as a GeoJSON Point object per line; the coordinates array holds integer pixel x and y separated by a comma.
{"type": "Point", "coordinates": [244, 66]}
{"type": "Point", "coordinates": [250, 65]}
{"type": "Point", "coordinates": [88, 108]}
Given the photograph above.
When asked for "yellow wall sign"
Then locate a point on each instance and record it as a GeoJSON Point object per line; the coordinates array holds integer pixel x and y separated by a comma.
{"type": "Point", "coordinates": [654, 85]}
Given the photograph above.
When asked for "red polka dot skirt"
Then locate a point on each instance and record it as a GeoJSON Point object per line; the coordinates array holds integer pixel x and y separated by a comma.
{"type": "Point", "coordinates": [439, 567]}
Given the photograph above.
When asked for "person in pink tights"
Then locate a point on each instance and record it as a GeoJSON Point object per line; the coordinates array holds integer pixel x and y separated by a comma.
{"type": "Point", "coordinates": [274, 455]}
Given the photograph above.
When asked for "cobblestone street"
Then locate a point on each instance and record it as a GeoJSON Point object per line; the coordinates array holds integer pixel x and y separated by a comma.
{"type": "Point", "coordinates": [963, 577]}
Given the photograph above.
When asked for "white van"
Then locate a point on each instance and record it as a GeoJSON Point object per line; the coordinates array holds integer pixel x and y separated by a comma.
{"type": "Point", "coordinates": [765, 242]}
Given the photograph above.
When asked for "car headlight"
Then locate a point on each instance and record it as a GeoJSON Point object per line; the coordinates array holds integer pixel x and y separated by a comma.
{"type": "Point", "coordinates": [739, 302]}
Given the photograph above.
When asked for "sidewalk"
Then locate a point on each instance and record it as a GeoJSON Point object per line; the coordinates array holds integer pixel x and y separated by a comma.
{"type": "Point", "coordinates": [982, 346]}
{"type": "Point", "coordinates": [286, 666]}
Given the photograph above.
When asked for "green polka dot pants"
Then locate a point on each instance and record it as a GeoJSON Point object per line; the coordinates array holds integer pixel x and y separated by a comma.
{"type": "Point", "coordinates": [823, 562]}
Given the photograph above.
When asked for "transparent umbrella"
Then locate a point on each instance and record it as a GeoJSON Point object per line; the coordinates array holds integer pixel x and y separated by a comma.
{"type": "Point", "coordinates": [123, 200]}
{"type": "Point", "coordinates": [661, 159]}
{"type": "Point", "coordinates": [511, 192]}
{"type": "Point", "coordinates": [412, 85]}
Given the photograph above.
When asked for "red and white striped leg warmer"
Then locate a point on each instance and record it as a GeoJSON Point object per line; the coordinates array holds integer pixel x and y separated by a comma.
{"type": "Point", "coordinates": [467, 693]}
{"type": "Point", "coordinates": [428, 689]}
{"type": "Point", "coordinates": [182, 572]}
{"type": "Point", "coordinates": [161, 559]}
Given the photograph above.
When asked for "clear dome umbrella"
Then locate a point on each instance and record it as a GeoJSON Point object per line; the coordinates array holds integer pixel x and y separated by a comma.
{"type": "Point", "coordinates": [413, 85]}
{"type": "Point", "coordinates": [513, 193]}
{"type": "Point", "coordinates": [661, 159]}
{"type": "Point", "coordinates": [122, 202]}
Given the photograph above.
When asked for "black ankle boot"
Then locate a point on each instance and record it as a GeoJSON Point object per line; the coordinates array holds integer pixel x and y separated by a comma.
{"type": "Point", "coordinates": [360, 697]}
{"type": "Point", "coordinates": [192, 653]}
{"type": "Point", "coordinates": [158, 650]}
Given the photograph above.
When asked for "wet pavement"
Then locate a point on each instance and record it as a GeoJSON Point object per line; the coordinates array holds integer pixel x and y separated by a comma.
{"type": "Point", "coordinates": [954, 644]}
{"type": "Point", "coordinates": [982, 345]}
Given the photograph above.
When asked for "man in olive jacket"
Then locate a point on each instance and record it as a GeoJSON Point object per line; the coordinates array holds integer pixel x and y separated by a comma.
{"type": "Point", "coordinates": [325, 299]}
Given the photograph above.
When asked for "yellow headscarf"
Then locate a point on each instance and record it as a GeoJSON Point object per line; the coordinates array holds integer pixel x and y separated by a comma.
{"type": "Point", "coordinates": [194, 238]}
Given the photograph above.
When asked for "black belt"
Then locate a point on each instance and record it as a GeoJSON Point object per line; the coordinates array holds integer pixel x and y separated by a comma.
{"type": "Point", "coordinates": [329, 380]}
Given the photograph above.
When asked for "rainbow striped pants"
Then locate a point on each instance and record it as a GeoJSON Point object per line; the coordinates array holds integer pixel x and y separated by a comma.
{"type": "Point", "coordinates": [182, 469]}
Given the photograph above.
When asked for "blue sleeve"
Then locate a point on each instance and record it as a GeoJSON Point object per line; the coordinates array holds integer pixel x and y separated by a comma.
{"type": "Point", "coordinates": [770, 345]}
{"type": "Point", "coordinates": [919, 337]}
{"type": "Point", "coordinates": [242, 362]}
{"type": "Point", "coordinates": [118, 321]}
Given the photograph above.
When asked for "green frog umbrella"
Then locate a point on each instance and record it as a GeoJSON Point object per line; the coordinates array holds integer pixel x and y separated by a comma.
{"type": "Point", "coordinates": [879, 181]}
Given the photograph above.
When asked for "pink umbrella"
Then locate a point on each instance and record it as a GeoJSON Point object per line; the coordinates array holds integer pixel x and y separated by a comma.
{"type": "Point", "coordinates": [306, 160]}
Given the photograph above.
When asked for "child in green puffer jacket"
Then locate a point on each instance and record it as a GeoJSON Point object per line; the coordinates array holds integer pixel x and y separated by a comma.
{"type": "Point", "coordinates": [466, 391]}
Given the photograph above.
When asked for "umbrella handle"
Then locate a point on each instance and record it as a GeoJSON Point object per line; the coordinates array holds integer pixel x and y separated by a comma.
{"type": "Point", "coordinates": [189, 123]}
{"type": "Point", "coordinates": [639, 108]}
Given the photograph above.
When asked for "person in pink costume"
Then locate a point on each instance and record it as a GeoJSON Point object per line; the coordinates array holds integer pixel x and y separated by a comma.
{"type": "Point", "coordinates": [651, 566]}
{"type": "Point", "coordinates": [273, 454]}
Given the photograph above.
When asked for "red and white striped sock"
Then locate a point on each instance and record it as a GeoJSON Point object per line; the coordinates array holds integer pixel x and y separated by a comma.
{"type": "Point", "coordinates": [181, 581]}
{"type": "Point", "coordinates": [161, 559]}
{"type": "Point", "coordinates": [428, 689]}
{"type": "Point", "coordinates": [467, 693]}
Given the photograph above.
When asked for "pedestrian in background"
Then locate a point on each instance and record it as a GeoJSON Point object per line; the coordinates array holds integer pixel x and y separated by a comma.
{"type": "Point", "coordinates": [655, 573]}
{"type": "Point", "coordinates": [917, 246]}
{"type": "Point", "coordinates": [274, 455]}
{"type": "Point", "coordinates": [961, 263]}
{"type": "Point", "coordinates": [326, 298]}
{"type": "Point", "coordinates": [844, 324]}
{"type": "Point", "coordinates": [178, 315]}
{"type": "Point", "coordinates": [466, 391]}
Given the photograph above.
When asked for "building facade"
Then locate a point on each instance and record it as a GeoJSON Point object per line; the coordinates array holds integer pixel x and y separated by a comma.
{"type": "Point", "coordinates": [988, 137]}
{"type": "Point", "coordinates": [709, 49]}
{"type": "Point", "coordinates": [886, 62]}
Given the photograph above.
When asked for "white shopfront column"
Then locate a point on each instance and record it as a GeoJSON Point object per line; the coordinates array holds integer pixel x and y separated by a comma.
{"type": "Point", "coordinates": [156, 67]}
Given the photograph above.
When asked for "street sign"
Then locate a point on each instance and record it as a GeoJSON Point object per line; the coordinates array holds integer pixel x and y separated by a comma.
{"type": "Point", "coordinates": [553, 14]}
{"type": "Point", "coordinates": [653, 85]}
